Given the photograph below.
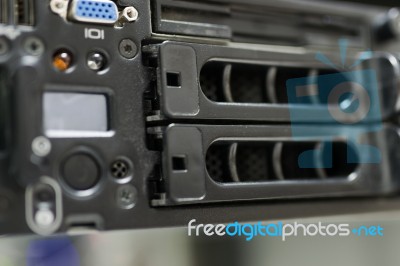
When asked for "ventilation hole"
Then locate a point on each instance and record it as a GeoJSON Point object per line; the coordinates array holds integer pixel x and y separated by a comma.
{"type": "Point", "coordinates": [289, 161]}
{"type": "Point", "coordinates": [247, 83]}
{"type": "Point", "coordinates": [265, 162]}
{"type": "Point", "coordinates": [254, 163]}
{"type": "Point", "coordinates": [282, 76]}
{"type": "Point", "coordinates": [263, 84]}
{"type": "Point", "coordinates": [211, 82]}
{"type": "Point", "coordinates": [217, 162]}
{"type": "Point", "coordinates": [343, 158]}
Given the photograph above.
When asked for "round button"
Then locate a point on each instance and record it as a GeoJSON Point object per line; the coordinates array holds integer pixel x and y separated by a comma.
{"type": "Point", "coordinates": [81, 172]}
{"type": "Point", "coordinates": [44, 217]}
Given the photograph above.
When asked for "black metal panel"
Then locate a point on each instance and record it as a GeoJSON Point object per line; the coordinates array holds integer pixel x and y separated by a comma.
{"type": "Point", "coordinates": [160, 121]}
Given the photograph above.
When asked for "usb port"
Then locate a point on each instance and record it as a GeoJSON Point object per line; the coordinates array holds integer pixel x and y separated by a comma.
{"type": "Point", "coordinates": [3, 11]}
{"type": "Point", "coordinates": [24, 14]}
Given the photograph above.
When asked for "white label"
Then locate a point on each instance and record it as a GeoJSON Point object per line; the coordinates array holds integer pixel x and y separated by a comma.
{"type": "Point", "coordinates": [94, 34]}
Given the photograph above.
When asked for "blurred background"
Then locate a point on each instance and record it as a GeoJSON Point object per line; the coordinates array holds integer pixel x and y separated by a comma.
{"type": "Point", "coordinates": [173, 247]}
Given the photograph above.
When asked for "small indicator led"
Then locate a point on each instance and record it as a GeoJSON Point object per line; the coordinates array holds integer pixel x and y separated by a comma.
{"type": "Point", "coordinates": [62, 60]}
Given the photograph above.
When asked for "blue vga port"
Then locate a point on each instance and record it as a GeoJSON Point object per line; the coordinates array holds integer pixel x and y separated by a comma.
{"type": "Point", "coordinates": [93, 11]}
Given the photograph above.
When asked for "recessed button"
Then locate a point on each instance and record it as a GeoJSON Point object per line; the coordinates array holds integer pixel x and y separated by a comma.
{"type": "Point", "coordinates": [81, 172]}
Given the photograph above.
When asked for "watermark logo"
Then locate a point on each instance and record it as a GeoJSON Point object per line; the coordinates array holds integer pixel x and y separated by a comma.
{"type": "Point", "coordinates": [282, 230]}
{"type": "Point", "coordinates": [347, 99]}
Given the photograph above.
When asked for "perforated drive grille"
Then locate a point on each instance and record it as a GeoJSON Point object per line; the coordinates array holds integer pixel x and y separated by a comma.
{"type": "Point", "coordinates": [253, 83]}
{"type": "Point", "coordinates": [253, 163]}
{"type": "Point", "coordinates": [247, 83]}
{"type": "Point", "coordinates": [216, 162]}
{"type": "Point", "coordinates": [273, 161]}
{"type": "Point", "coordinates": [211, 82]}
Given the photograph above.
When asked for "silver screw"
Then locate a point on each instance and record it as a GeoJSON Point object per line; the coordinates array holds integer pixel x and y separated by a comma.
{"type": "Point", "coordinates": [4, 47]}
{"type": "Point", "coordinates": [41, 146]}
{"type": "Point", "coordinates": [34, 46]}
{"type": "Point", "coordinates": [127, 48]}
{"type": "Point", "coordinates": [96, 61]}
{"type": "Point", "coordinates": [126, 196]}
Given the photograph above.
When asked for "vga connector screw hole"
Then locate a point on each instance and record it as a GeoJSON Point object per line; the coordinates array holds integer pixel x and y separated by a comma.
{"type": "Point", "coordinates": [129, 14]}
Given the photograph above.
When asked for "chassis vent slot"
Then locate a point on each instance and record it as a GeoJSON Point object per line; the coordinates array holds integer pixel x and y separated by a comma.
{"type": "Point", "coordinates": [256, 24]}
{"type": "Point", "coordinates": [4, 9]}
{"type": "Point", "coordinates": [196, 19]}
{"type": "Point", "coordinates": [270, 161]}
{"type": "Point", "coordinates": [25, 12]}
{"type": "Point", "coordinates": [253, 83]}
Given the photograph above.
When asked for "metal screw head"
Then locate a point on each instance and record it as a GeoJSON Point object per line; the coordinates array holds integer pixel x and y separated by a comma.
{"type": "Point", "coordinates": [33, 46]}
{"type": "Point", "coordinates": [127, 48]}
{"type": "Point", "coordinates": [4, 47]}
{"type": "Point", "coordinates": [96, 61]}
{"type": "Point", "coordinates": [126, 196]}
{"type": "Point", "coordinates": [41, 146]}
